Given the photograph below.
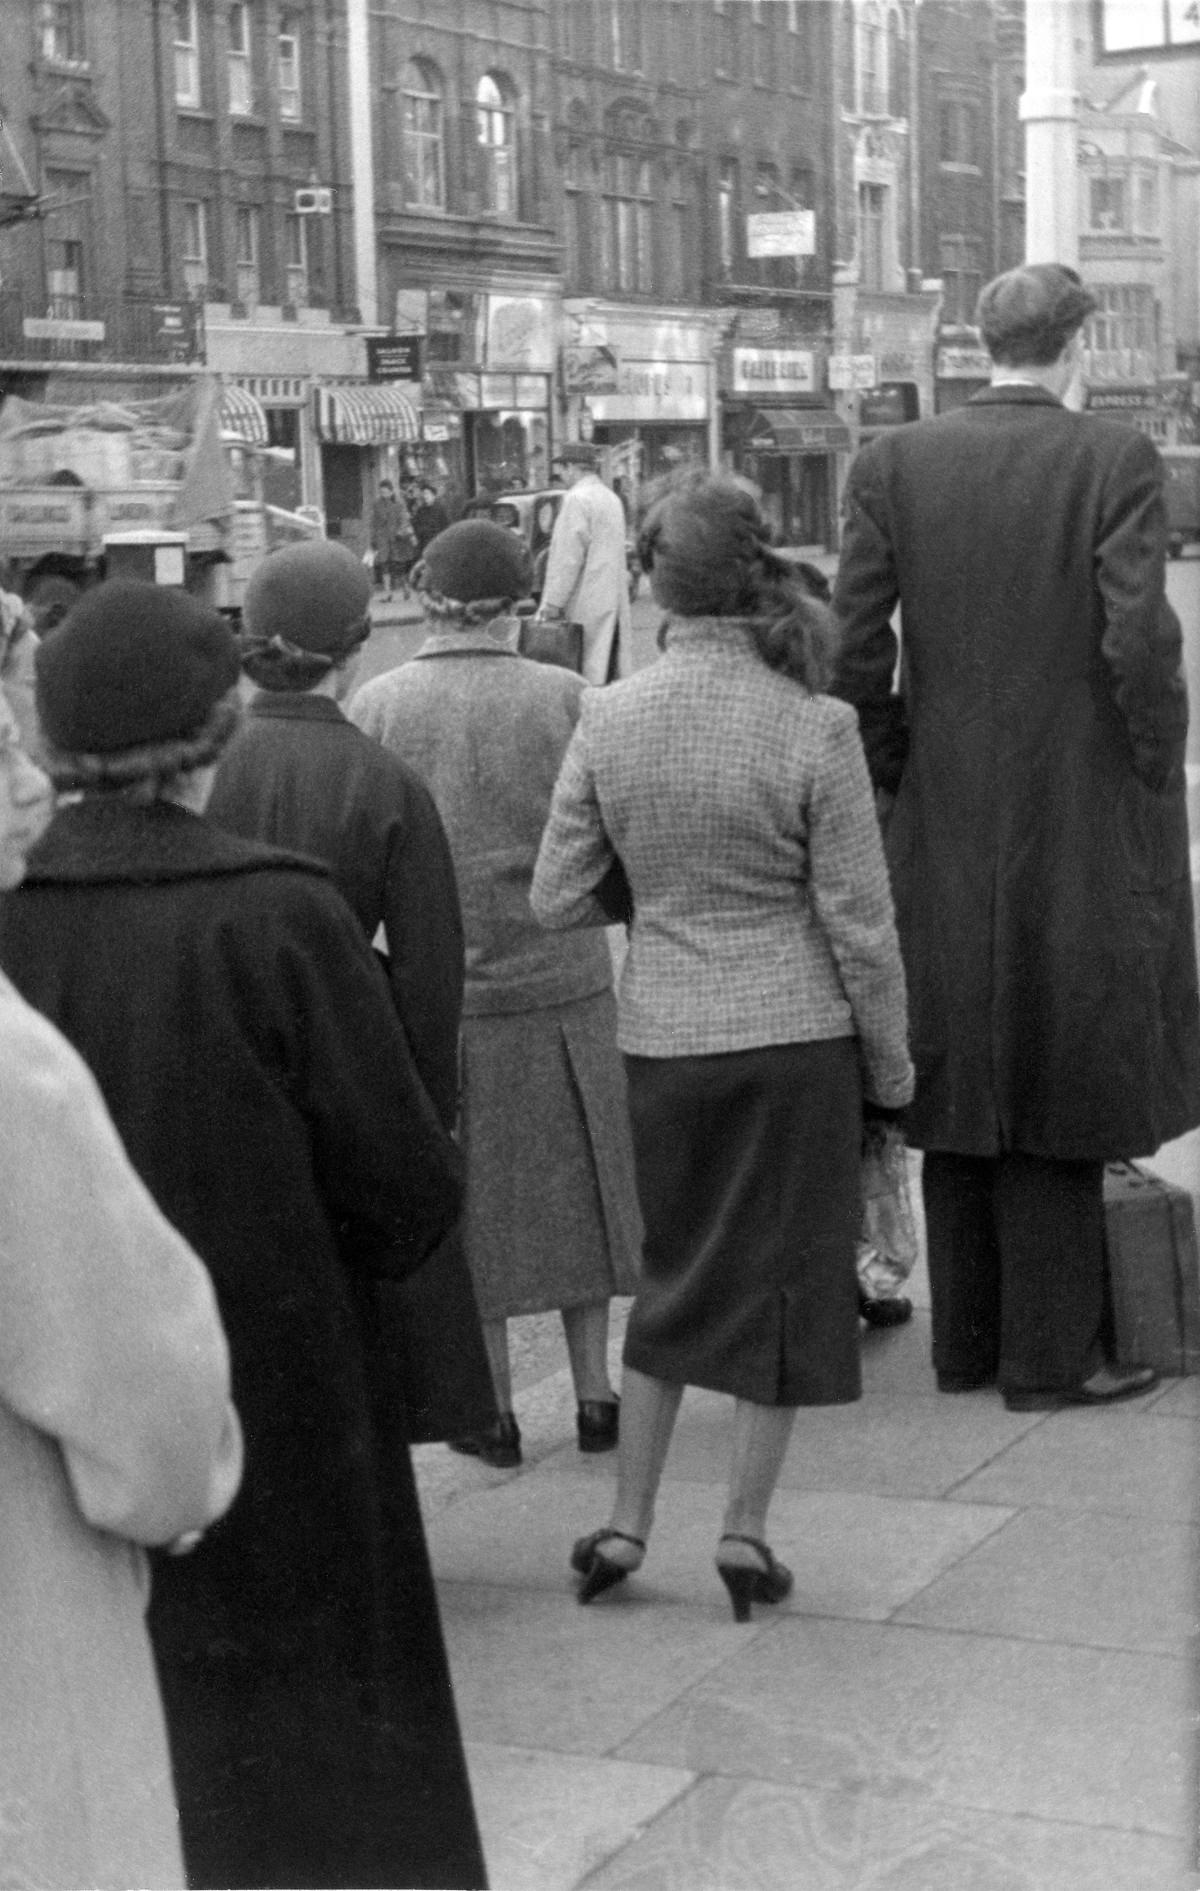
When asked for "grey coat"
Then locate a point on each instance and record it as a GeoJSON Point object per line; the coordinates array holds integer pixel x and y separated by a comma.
{"type": "Point", "coordinates": [740, 808]}
{"type": "Point", "coordinates": [485, 730]}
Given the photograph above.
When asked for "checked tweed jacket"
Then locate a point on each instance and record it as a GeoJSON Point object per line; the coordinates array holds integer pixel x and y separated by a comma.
{"type": "Point", "coordinates": [740, 807]}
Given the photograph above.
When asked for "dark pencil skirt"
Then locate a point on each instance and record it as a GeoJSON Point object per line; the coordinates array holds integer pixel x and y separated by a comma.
{"type": "Point", "coordinates": [748, 1177]}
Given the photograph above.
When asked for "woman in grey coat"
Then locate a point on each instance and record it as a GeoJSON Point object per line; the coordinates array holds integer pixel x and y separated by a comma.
{"type": "Point", "coordinates": [550, 1218]}
{"type": "Point", "coordinates": [761, 1005]}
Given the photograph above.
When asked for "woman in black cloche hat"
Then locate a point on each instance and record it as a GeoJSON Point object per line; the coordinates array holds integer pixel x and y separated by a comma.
{"type": "Point", "coordinates": [241, 1033]}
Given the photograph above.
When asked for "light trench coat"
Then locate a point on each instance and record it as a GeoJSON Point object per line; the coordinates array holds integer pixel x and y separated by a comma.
{"type": "Point", "coordinates": [586, 576]}
{"type": "Point", "coordinates": [115, 1431]}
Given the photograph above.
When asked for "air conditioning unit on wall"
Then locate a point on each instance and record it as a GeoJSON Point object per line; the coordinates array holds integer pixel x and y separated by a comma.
{"type": "Point", "coordinates": [314, 200]}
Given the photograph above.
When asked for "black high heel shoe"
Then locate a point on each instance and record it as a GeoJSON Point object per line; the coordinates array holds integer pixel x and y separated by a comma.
{"type": "Point", "coordinates": [746, 1584]}
{"type": "Point", "coordinates": [601, 1572]}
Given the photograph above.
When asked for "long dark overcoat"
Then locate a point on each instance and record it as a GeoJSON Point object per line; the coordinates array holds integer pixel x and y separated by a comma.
{"type": "Point", "coordinates": [1038, 843]}
{"type": "Point", "coordinates": [241, 1034]}
{"type": "Point", "coordinates": [299, 775]}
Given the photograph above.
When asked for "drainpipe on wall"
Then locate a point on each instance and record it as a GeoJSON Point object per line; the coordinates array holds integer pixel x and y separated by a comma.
{"type": "Point", "coordinates": [362, 165]}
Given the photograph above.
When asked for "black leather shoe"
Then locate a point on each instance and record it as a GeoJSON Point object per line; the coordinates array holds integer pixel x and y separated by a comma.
{"type": "Point", "coordinates": [598, 1422]}
{"type": "Point", "coordinates": [1108, 1386]}
{"type": "Point", "coordinates": [964, 1381]}
{"type": "Point", "coordinates": [499, 1445]}
{"type": "Point", "coordinates": [881, 1313]}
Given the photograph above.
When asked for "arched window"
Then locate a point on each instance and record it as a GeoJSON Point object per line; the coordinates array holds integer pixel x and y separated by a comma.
{"type": "Point", "coordinates": [575, 200]}
{"type": "Point", "coordinates": [495, 128]}
{"type": "Point", "coordinates": [423, 137]}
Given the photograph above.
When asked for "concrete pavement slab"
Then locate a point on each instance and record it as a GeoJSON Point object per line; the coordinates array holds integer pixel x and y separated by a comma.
{"type": "Point", "coordinates": [1091, 1580]}
{"type": "Point", "coordinates": [1125, 1462]}
{"type": "Point", "coordinates": [1091, 1736]}
{"type": "Point", "coordinates": [548, 1819]}
{"type": "Point", "coordinates": [754, 1835]}
{"type": "Point", "coordinates": [903, 1447]}
{"type": "Point", "coordinates": [853, 1554]}
{"type": "Point", "coordinates": [533, 1669]}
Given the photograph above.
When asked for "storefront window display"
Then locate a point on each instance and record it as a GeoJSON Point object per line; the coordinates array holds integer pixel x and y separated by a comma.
{"type": "Point", "coordinates": [510, 450]}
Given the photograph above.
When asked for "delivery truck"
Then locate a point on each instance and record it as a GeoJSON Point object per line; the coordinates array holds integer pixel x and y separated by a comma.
{"type": "Point", "coordinates": [72, 476]}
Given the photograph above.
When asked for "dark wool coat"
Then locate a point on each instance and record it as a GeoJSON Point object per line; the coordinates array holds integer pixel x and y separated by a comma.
{"type": "Point", "coordinates": [299, 775]}
{"type": "Point", "coordinates": [241, 1034]}
{"type": "Point", "coordinates": [1038, 843]}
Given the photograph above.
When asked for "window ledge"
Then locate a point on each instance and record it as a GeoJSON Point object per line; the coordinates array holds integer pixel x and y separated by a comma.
{"type": "Point", "coordinates": [254, 119]}
{"type": "Point", "coordinates": [198, 112]}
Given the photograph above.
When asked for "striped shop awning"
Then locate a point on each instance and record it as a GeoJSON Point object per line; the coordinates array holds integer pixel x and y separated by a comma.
{"type": "Point", "coordinates": [242, 416]}
{"type": "Point", "coordinates": [367, 415]}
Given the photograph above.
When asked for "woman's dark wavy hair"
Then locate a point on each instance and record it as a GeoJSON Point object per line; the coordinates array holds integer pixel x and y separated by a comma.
{"type": "Point", "coordinates": [147, 773]}
{"type": "Point", "coordinates": [707, 549]}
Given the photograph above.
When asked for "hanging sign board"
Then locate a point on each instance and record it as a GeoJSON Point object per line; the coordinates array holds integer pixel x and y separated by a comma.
{"type": "Point", "coordinates": [781, 233]}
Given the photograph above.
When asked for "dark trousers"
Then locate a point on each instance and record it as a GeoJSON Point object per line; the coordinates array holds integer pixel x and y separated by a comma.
{"type": "Point", "coordinates": [1017, 1268]}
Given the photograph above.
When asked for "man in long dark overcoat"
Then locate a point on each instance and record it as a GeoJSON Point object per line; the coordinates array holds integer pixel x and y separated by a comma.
{"type": "Point", "coordinates": [1038, 842]}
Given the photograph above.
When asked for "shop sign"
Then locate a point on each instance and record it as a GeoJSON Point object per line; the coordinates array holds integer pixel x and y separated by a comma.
{"type": "Point", "coordinates": [393, 357]}
{"type": "Point", "coordinates": [1116, 399]}
{"type": "Point", "coordinates": [656, 390]}
{"type": "Point", "coordinates": [520, 333]}
{"type": "Point", "coordinates": [849, 371]}
{"type": "Point", "coordinates": [770, 371]}
{"type": "Point", "coordinates": [589, 370]}
{"type": "Point", "coordinates": [781, 233]}
{"type": "Point", "coordinates": [964, 364]}
{"type": "Point", "coordinates": [60, 328]}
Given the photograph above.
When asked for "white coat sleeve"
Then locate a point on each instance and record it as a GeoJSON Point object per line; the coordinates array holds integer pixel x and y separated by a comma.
{"type": "Point", "coordinates": [567, 555]}
{"type": "Point", "coordinates": [110, 1339]}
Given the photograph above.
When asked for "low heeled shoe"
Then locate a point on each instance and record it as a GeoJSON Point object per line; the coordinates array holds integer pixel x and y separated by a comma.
{"type": "Point", "coordinates": [597, 1422]}
{"type": "Point", "coordinates": [1108, 1386]}
{"type": "Point", "coordinates": [499, 1445]}
{"type": "Point", "coordinates": [770, 1581]}
{"type": "Point", "coordinates": [600, 1570]}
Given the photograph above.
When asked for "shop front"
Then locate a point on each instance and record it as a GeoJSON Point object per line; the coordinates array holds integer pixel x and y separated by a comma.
{"type": "Point", "coordinates": [778, 431]}
{"type": "Point", "coordinates": [486, 386]}
{"type": "Point", "coordinates": [362, 429]}
{"type": "Point", "coordinates": [271, 369]}
{"type": "Point", "coordinates": [641, 386]}
{"type": "Point", "coordinates": [959, 372]}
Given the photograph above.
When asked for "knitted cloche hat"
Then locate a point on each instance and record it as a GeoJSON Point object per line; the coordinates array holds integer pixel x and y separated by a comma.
{"type": "Point", "coordinates": [132, 664]}
{"type": "Point", "coordinates": [477, 559]}
{"type": "Point", "coordinates": [315, 596]}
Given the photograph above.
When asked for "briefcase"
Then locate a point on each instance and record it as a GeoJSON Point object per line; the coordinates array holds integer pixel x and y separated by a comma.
{"type": "Point", "coordinates": [554, 642]}
{"type": "Point", "coordinates": [1154, 1269]}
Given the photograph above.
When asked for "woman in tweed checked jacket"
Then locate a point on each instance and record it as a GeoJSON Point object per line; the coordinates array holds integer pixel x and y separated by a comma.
{"type": "Point", "coordinates": [761, 1007]}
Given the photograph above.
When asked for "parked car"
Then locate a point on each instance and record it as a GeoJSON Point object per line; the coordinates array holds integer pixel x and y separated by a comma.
{"type": "Point", "coordinates": [531, 515]}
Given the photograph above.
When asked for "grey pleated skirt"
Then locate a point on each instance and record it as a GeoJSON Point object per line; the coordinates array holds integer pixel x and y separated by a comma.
{"type": "Point", "coordinates": [551, 1216]}
{"type": "Point", "coordinates": [748, 1175]}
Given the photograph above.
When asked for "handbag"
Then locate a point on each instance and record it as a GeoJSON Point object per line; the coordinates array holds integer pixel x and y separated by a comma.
{"type": "Point", "coordinates": [555, 641]}
{"type": "Point", "coordinates": [888, 1242]}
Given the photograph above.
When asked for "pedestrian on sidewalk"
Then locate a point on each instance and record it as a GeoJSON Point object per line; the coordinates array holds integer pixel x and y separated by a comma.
{"type": "Point", "coordinates": [392, 540]}
{"type": "Point", "coordinates": [116, 1432]}
{"type": "Point", "coordinates": [550, 1219]}
{"type": "Point", "coordinates": [243, 1039]}
{"type": "Point", "coordinates": [298, 774]}
{"type": "Point", "coordinates": [1038, 839]}
{"type": "Point", "coordinates": [761, 1000]}
{"type": "Point", "coordinates": [587, 577]}
{"type": "Point", "coordinates": [430, 515]}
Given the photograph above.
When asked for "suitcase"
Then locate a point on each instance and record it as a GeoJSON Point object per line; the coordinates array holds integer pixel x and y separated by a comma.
{"type": "Point", "coordinates": [1153, 1268]}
